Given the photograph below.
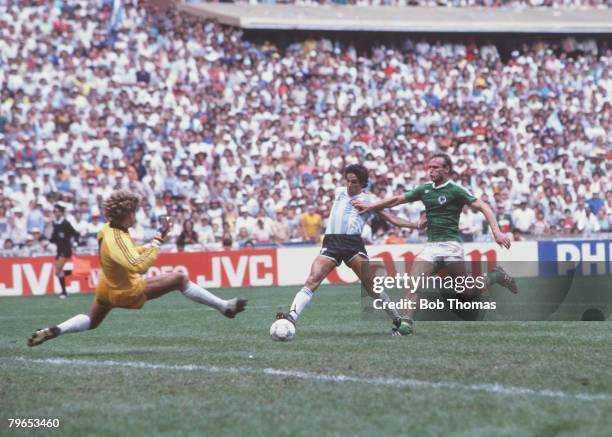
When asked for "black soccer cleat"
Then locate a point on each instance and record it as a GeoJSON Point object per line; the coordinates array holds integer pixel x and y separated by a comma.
{"type": "Point", "coordinates": [402, 328]}
{"type": "Point", "coordinates": [42, 335]}
{"type": "Point", "coordinates": [280, 316]}
{"type": "Point", "coordinates": [234, 306]}
{"type": "Point", "coordinates": [505, 280]}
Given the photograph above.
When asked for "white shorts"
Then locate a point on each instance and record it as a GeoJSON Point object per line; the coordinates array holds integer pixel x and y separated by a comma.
{"type": "Point", "coordinates": [448, 251]}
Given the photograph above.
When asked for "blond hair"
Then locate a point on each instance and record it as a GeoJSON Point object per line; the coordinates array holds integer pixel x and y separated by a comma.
{"type": "Point", "coordinates": [119, 204]}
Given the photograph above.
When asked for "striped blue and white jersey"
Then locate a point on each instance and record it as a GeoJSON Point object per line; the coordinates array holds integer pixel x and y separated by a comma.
{"type": "Point", "coordinates": [344, 218]}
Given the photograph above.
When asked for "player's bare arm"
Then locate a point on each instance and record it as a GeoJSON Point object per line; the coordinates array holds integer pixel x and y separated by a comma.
{"type": "Point", "coordinates": [486, 210]}
{"type": "Point", "coordinates": [388, 202]}
{"type": "Point", "coordinates": [401, 223]}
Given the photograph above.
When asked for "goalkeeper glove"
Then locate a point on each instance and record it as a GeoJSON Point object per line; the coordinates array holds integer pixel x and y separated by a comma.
{"type": "Point", "coordinates": [160, 236]}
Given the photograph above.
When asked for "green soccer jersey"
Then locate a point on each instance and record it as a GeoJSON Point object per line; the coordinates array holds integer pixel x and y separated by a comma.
{"type": "Point", "coordinates": [443, 205]}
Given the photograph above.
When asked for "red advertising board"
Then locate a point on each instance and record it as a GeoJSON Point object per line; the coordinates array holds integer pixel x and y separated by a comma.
{"type": "Point", "coordinates": [389, 262]}
{"type": "Point", "coordinates": [262, 267]}
{"type": "Point", "coordinates": [36, 276]}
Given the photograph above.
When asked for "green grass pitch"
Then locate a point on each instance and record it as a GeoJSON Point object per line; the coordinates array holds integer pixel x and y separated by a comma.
{"type": "Point", "coordinates": [178, 367]}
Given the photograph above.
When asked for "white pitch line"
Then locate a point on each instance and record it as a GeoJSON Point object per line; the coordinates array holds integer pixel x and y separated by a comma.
{"type": "Point", "coordinates": [395, 382]}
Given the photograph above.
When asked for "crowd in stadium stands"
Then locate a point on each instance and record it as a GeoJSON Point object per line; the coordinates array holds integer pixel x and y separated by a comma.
{"type": "Point", "coordinates": [439, 3]}
{"type": "Point", "coordinates": [244, 143]}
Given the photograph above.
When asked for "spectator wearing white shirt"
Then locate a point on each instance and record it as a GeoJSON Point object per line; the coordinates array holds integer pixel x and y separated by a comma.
{"type": "Point", "coordinates": [245, 221]}
{"type": "Point", "coordinates": [184, 186]}
{"type": "Point", "coordinates": [19, 226]}
{"type": "Point", "coordinates": [215, 212]}
{"type": "Point", "coordinates": [580, 217]}
{"type": "Point", "coordinates": [93, 227]}
{"type": "Point", "coordinates": [523, 218]}
{"type": "Point", "coordinates": [80, 224]}
{"type": "Point", "coordinates": [206, 235]}
{"type": "Point", "coordinates": [469, 226]}
{"type": "Point", "coordinates": [587, 222]}
{"type": "Point", "coordinates": [279, 229]}
{"type": "Point", "coordinates": [261, 233]}
{"type": "Point", "coordinates": [540, 227]}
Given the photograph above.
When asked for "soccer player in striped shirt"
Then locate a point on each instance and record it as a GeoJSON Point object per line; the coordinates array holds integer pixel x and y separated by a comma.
{"type": "Point", "coordinates": [444, 201]}
{"type": "Point", "coordinates": [121, 284]}
{"type": "Point", "coordinates": [343, 243]}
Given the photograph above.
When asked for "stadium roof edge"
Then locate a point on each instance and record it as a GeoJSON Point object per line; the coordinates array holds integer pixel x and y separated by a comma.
{"type": "Point", "coordinates": [406, 19]}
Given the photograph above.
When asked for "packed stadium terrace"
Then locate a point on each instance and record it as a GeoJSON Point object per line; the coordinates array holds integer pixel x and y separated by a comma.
{"type": "Point", "coordinates": [438, 3]}
{"type": "Point", "coordinates": [244, 143]}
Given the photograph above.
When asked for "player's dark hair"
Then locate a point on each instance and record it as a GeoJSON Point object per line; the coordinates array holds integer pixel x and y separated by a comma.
{"type": "Point", "coordinates": [447, 160]}
{"type": "Point", "coordinates": [60, 207]}
{"type": "Point", "coordinates": [360, 171]}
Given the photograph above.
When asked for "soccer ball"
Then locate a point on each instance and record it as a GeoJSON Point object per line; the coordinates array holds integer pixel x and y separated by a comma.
{"type": "Point", "coordinates": [282, 330]}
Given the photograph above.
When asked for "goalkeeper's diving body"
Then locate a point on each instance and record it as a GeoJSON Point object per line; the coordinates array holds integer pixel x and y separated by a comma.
{"type": "Point", "coordinates": [444, 201]}
{"type": "Point", "coordinates": [122, 263]}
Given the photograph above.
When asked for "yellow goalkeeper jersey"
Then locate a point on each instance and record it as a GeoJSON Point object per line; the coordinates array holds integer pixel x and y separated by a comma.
{"type": "Point", "coordinates": [121, 261]}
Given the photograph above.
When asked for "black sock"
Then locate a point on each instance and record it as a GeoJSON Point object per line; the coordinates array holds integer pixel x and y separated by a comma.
{"type": "Point", "coordinates": [62, 281]}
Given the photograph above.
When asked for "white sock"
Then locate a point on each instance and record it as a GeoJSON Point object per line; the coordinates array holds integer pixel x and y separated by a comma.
{"type": "Point", "coordinates": [300, 301]}
{"type": "Point", "coordinates": [78, 323]}
{"type": "Point", "coordinates": [391, 312]}
{"type": "Point", "coordinates": [202, 295]}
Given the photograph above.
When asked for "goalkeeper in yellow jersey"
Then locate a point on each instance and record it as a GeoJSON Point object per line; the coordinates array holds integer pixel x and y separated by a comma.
{"type": "Point", "coordinates": [121, 284]}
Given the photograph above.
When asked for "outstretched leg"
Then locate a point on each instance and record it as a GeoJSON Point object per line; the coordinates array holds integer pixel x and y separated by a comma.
{"type": "Point", "coordinates": [321, 267]}
{"type": "Point", "coordinates": [162, 284]}
{"type": "Point", "coordinates": [78, 323]}
{"type": "Point", "coordinates": [359, 266]}
{"type": "Point", "coordinates": [155, 288]}
{"type": "Point", "coordinates": [496, 276]}
{"type": "Point", "coordinates": [420, 269]}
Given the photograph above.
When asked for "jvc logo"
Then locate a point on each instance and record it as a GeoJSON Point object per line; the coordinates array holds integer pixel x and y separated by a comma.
{"type": "Point", "coordinates": [246, 271]}
{"type": "Point", "coordinates": [34, 278]}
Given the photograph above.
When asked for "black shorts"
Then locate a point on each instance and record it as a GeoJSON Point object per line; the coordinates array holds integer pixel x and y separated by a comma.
{"type": "Point", "coordinates": [342, 248]}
